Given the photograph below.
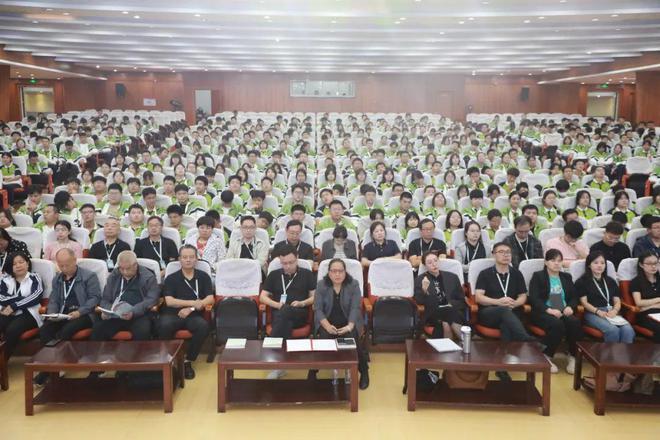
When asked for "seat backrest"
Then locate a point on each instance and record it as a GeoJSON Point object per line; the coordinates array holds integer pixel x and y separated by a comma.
{"type": "Point", "coordinates": [125, 234]}
{"type": "Point", "coordinates": [46, 270]}
{"type": "Point", "coordinates": [32, 238]}
{"type": "Point", "coordinates": [503, 233]}
{"type": "Point", "coordinates": [201, 265]}
{"type": "Point", "coordinates": [415, 234]}
{"type": "Point", "coordinates": [632, 237]}
{"type": "Point", "coordinates": [576, 269]}
{"type": "Point", "coordinates": [305, 236]}
{"type": "Point", "coordinates": [152, 265]}
{"type": "Point", "coordinates": [23, 220]}
{"type": "Point", "coordinates": [447, 265]}
{"type": "Point", "coordinates": [593, 235]}
{"type": "Point", "coordinates": [390, 234]}
{"type": "Point", "coordinates": [528, 267]}
{"type": "Point", "coordinates": [474, 269]}
{"type": "Point", "coordinates": [275, 264]}
{"type": "Point", "coordinates": [627, 269]}
{"type": "Point", "coordinates": [81, 235]}
{"type": "Point", "coordinates": [550, 233]}
{"type": "Point", "coordinates": [96, 266]}
{"type": "Point", "coordinates": [353, 267]}
{"type": "Point", "coordinates": [601, 221]}
{"type": "Point", "coordinates": [237, 277]}
{"type": "Point", "coordinates": [167, 232]}
{"type": "Point", "coordinates": [390, 277]}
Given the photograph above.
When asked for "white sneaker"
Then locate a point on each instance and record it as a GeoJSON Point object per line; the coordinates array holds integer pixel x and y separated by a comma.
{"type": "Point", "coordinates": [276, 374]}
{"type": "Point", "coordinates": [570, 366]}
{"type": "Point", "coordinates": [553, 367]}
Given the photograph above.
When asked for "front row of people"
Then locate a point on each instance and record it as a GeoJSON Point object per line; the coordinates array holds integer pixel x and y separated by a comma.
{"type": "Point", "coordinates": [132, 293]}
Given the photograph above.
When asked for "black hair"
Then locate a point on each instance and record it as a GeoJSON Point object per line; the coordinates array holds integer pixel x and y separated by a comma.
{"type": "Point", "coordinates": [574, 229]}
{"type": "Point", "coordinates": [551, 254]}
{"type": "Point", "coordinates": [348, 279]}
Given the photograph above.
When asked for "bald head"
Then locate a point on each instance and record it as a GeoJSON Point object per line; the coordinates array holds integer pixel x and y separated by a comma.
{"type": "Point", "coordinates": [128, 265]}
{"type": "Point", "coordinates": [66, 261]}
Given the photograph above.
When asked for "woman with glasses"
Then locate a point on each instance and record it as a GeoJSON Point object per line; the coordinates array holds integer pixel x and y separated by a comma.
{"type": "Point", "coordinates": [645, 290]}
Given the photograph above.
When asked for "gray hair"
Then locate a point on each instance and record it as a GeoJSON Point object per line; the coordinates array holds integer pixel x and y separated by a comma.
{"type": "Point", "coordinates": [127, 257]}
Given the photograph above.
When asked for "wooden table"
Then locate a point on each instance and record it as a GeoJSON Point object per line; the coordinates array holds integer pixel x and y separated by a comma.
{"type": "Point", "coordinates": [4, 374]}
{"type": "Point", "coordinates": [484, 356]}
{"type": "Point", "coordinates": [76, 356]}
{"type": "Point", "coordinates": [268, 392]}
{"type": "Point", "coordinates": [611, 357]}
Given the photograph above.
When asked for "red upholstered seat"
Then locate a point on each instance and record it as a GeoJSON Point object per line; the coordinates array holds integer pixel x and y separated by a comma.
{"type": "Point", "coordinates": [123, 336]}
{"type": "Point", "coordinates": [536, 330]}
{"type": "Point", "coordinates": [29, 334]}
{"type": "Point", "coordinates": [82, 335]}
{"type": "Point", "coordinates": [182, 334]}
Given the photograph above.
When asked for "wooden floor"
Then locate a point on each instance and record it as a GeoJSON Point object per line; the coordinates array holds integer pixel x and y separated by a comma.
{"type": "Point", "coordinates": [382, 415]}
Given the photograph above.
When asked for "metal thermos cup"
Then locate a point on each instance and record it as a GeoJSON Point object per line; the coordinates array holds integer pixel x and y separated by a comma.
{"type": "Point", "coordinates": [466, 332]}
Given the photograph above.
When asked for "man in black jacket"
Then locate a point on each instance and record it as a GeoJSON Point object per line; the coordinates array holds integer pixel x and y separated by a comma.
{"type": "Point", "coordinates": [111, 246]}
{"type": "Point", "coordinates": [524, 246]}
{"type": "Point", "coordinates": [554, 301]}
{"type": "Point", "coordinates": [156, 247]}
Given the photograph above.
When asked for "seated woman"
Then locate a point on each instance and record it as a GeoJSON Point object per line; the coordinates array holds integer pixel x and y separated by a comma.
{"type": "Point", "coordinates": [9, 246]}
{"type": "Point", "coordinates": [600, 298]}
{"type": "Point", "coordinates": [6, 218]}
{"type": "Point", "coordinates": [340, 246]}
{"type": "Point", "coordinates": [442, 296]}
{"type": "Point", "coordinates": [211, 246]}
{"type": "Point", "coordinates": [554, 299]}
{"type": "Point", "coordinates": [645, 291]}
{"type": "Point", "coordinates": [453, 221]}
{"type": "Point", "coordinates": [20, 294]}
{"type": "Point", "coordinates": [379, 246]}
{"type": "Point", "coordinates": [63, 239]}
{"type": "Point", "coordinates": [583, 205]}
{"type": "Point", "coordinates": [622, 204]}
{"type": "Point", "coordinates": [411, 221]}
{"type": "Point", "coordinates": [472, 248]}
{"type": "Point", "coordinates": [337, 312]}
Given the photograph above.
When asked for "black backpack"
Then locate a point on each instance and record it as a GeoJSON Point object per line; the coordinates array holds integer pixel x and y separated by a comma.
{"type": "Point", "coordinates": [236, 317]}
{"type": "Point", "coordinates": [394, 320]}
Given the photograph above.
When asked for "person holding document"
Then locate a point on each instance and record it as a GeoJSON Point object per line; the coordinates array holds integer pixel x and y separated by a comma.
{"type": "Point", "coordinates": [288, 292]}
{"type": "Point", "coordinates": [337, 312]}
{"type": "Point", "coordinates": [131, 291]}
{"type": "Point", "coordinates": [601, 301]}
{"type": "Point", "coordinates": [187, 293]}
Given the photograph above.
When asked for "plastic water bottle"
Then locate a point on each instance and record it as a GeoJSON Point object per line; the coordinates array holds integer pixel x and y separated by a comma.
{"type": "Point", "coordinates": [466, 333]}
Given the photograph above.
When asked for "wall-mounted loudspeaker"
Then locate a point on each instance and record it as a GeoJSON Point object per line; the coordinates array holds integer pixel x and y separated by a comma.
{"type": "Point", "coordinates": [524, 93]}
{"type": "Point", "coordinates": [120, 90]}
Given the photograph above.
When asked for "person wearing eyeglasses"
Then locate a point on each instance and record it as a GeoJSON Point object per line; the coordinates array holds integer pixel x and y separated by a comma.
{"type": "Point", "coordinates": [645, 289]}
{"type": "Point", "coordinates": [187, 293]}
{"type": "Point", "coordinates": [249, 245]}
{"type": "Point", "coordinates": [425, 243]}
{"type": "Point", "coordinates": [501, 292]}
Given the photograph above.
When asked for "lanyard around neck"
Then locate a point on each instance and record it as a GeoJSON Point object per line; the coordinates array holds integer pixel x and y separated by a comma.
{"type": "Point", "coordinates": [505, 286]}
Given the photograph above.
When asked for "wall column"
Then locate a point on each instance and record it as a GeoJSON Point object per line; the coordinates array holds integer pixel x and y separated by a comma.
{"type": "Point", "coordinates": [5, 86]}
{"type": "Point", "coordinates": [647, 96]}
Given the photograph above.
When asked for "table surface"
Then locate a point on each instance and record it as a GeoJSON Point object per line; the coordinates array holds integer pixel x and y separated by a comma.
{"type": "Point", "coordinates": [487, 354]}
{"type": "Point", "coordinates": [253, 355]}
{"type": "Point", "coordinates": [107, 352]}
{"type": "Point", "coordinates": [615, 354]}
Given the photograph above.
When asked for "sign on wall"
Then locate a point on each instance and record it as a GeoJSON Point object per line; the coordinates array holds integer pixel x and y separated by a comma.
{"type": "Point", "coordinates": [149, 102]}
{"type": "Point", "coordinates": [322, 89]}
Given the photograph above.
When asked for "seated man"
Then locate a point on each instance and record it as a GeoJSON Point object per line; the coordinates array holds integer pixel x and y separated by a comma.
{"type": "Point", "coordinates": [156, 247]}
{"type": "Point", "coordinates": [136, 219]}
{"type": "Point", "coordinates": [335, 218]}
{"type": "Point", "coordinates": [183, 200]}
{"type": "Point", "coordinates": [501, 292]}
{"type": "Point", "coordinates": [149, 200]}
{"type": "Point", "coordinates": [249, 245]}
{"type": "Point", "coordinates": [130, 292]}
{"type": "Point", "coordinates": [651, 241]}
{"type": "Point", "coordinates": [289, 292]}
{"type": "Point", "coordinates": [613, 249]}
{"type": "Point", "coordinates": [187, 293]}
{"type": "Point", "coordinates": [76, 293]}
{"type": "Point", "coordinates": [523, 244]}
{"type": "Point", "coordinates": [108, 249]}
{"type": "Point", "coordinates": [426, 243]}
{"type": "Point", "coordinates": [569, 244]}
{"type": "Point", "coordinates": [293, 231]}
{"type": "Point", "coordinates": [114, 206]}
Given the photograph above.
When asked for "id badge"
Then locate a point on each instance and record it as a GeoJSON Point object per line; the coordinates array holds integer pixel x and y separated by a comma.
{"type": "Point", "coordinates": [110, 264]}
{"type": "Point", "coordinates": [283, 299]}
{"type": "Point", "coordinates": [162, 264]}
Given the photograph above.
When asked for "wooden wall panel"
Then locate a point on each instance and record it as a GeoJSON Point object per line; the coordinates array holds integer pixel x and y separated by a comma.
{"type": "Point", "coordinates": [647, 96]}
{"type": "Point", "coordinates": [5, 87]}
{"type": "Point", "coordinates": [162, 87]}
{"type": "Point", "coordinates": [83, 94]}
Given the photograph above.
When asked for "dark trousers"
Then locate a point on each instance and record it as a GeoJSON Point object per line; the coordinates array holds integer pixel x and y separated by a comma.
{"type": "Point", "coordinates": [140, 327]}
{"type": "Point", "coordinates": [286, 319]}
{"type": "Point", "coordinates": [170, 323]}
{"type": "Point", "coordinates": [506, 320]}
{"type": "Point", "coordinates": [651, 324]}
{"type": "Point", "coordinates": [362, 353]}
{"type": "Point", "coordinates": [63, 329]}
{"type": "Point", "coordinates": [556, 329]}
{"type": "Point", "coordinates": [12, 327]}
{"type": "Point", "coordinates": [450, 315]}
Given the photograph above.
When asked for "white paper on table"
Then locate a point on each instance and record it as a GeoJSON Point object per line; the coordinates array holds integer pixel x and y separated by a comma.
{"type": "Point", "coordinates": [298, 345]}
{"type": "Point", "coordinates": [270, 342]}
{"type": "Point", "coordinates": [655, 316]}
{"type": "Point", "coordinates": [444, 345]}
{"type": "Point", "coordinates": [235, 343]}
{"type": "Point", "coordinates": [324, 345]}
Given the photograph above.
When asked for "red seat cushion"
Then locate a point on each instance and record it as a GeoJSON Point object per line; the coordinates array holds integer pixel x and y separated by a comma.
{"type": "Point", "coordinates": [428, 329]}
{"type": "Point", "coordinates": [29, 334]}
{"type": "Point", "coordinates": [123, 336]}
{"type": "Point", "coordinates": [538, 331]}
{"type": "Point", "coordinates": [593, 332]}
{"type": "Point", "coordinates": [297, 333]}
{"type": "Point", "coordinates": [643, 331]}
{"type": "Point", "coordinates": [82, 335]}
{"type": "Point", "coordinates": [488, 332]}
{"type": "Point", "coordinates": [182, 334]}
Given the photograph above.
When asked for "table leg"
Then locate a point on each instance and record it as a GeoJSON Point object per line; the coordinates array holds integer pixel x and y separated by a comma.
{"type": "Point", "coordinates": [546, 393]}
{"type": "Point", "coordinates": [29, 405]}
{"type": "Point", "coordinates": [180, 369]}
{"type": "Point", "coordinates": [222, 388]}
{"type": "Point", "coordinates": [412, 387]}
{"type": "Point", "coordinates": [168, 388]}
{"type": "Point", "coordinates": [4, 374]}
{"type": "Point", "coordinates": [599, 391]}
{"type": "Point", "coordinates": [405, 374]}
{"type": "Point", "coordinates": [577, 374]}
{"type": "Point", "coordinates": [354, 388]}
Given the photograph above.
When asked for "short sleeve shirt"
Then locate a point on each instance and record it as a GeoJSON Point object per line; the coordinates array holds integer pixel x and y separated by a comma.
{"type": "Point", "coordinates": [492, 283]}
{"type": "Point", "coordinates": [297, 286]}
{"type": "Point", "coordinates": [373, 251]}
{"type": "Point", "coordinates": [419, 246]}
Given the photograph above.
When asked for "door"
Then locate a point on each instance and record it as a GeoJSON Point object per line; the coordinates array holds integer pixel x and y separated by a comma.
{"type": "Point", "coordinates": [602, 104]}
{"type": "Point", "coordinates": [35, 100]}
{"type": "Point", "coordinates": [203, 101]}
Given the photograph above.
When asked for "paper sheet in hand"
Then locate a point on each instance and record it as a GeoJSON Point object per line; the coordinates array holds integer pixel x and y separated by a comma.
{"type": "Point", "coordinates": [655, 316]}
{"type": "Point", "coordinates": [56, 316]}
{"type": "Point", "coordinates": [298, 345]}
{"type": "Point", "coordinates": [324, 345]}
{"type": "Point", "coordinates": [235, 343]}
{"type": "Point", "coordinates": [108, 312]}
{"type": "Point", "coordinates": [618, 320]}
{"type": "Point", "coordinates": [444, 345]}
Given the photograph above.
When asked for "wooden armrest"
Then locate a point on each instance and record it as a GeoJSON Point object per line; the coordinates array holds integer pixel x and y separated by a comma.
{"type": "Point", "coordinates": [631, 307]}
{"type": "Point", "coordinates": [262, 308]}
{"type": "Point", "coordinates": [367, 305]}
{"type": "Point", "coordinates": [527, 308]}
{"type": "Point", "coordinates": [420, 309]}
{"type": "Point", "coordinates": [208, 308]}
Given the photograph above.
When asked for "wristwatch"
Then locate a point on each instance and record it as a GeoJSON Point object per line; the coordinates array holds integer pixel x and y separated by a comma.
{"type": "Point", "coordinates": [192, 309]}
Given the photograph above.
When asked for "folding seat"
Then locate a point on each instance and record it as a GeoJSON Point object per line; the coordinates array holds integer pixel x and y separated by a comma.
{"type": "Point", "coordinates": [576, 270]}
{"type": "Point", "coordinates": [33, 239]}
{"type": "Point", "coordinates": [445, 265]}
{"type": "Point", "coordinates": [458, 237]}
{"type": "Point", "coordinates": [23, 220]}
{"type": "Point", "coordinates": [46, 270]}
{"type": "Point", "coordinates": [393, 313]}
{"type": "Point", "coordinates": [81, 235]}
{"type": "Point", "coordinates": [548, 234]}
{"type": "Point", "coordinates": [125, 234]}
{"type": "Point", "coordinates": [474, 269]}
{"type": "Point", "coordinates": [627, 272]}
{"type": "Point", "coordinates": [631, 238]}
{"type": "Point", "coordinates": [527, 268]}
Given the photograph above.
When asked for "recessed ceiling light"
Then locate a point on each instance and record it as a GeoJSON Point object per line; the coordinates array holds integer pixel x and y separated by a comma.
{"type": "Point", "coordinates": [474, 73]}
{"type": "Point", "coordinates": [562, 1]}
{"type": "Point", "coordinates": [610, 79]}
{"type": "Point", "coordinates": [198, 15]}
{"type": "Point", "coordinates": [582, 83]}
{"type": "Point", "coordinates": [526, 21]}
{"type": "Point", "coordinates": [594, 19]}
{"type": "Point", "coordinates": [144, 71]}
{"type": "Point", "coordinates": [529, 74]}
{"type": "Point", "coordinates": [49, 9]}
{"type": "Point", "coordinates": [65, 13]}
{"type": "Point", "coordinates": [333, 21]}
{"type": "Point", "coordinates": [240, 70]}
{"type": "Point", "coordinates": [484, 3]}
{"type": "Point", "coordinates": [35, 22]}
{"type": "Point", "coordinates": [206, 70]}
{"type": "Point", "coordinates": [442, 33]}
{"type": "Point", "coordinates": [114, 70]}
{"type": "Point", "coordinates": [397, 22]}
{"type": "Point", "coordinates": [266, 17]}
{"type": "Point", "coordinates": [461, 22]}
{"type": "Point", "coordinates": [19, 76]}
{"type": "Point", "coordinates": [501, 74]}
{"type": "Point", "coordinates": [61, 78]}
{"type": "Point", "coordinates": [137, 17]}
{"type": "Point", "coordinates": [124, 12]}
{"type": "Point", "coordinates": [617, 29]}
{"type": "Point", "coordinates": [402, 18]}
{"type": "Point", "coordinates": [277, 40]}
{"type": "Point", "coordinates": [98, 67]}
{"type": "Point", "coordinates": [274, 71]}
{"type": "Point", "coordinates": [373, 72]}
{"type": "Point", "coordinates": [541, 18]}
{"type": "Point", "coordinates": [471, 18]}
{"type": "Point", "coordinates": [614, 15]}
{"type": "Point", "coordinates": [588, 53]}
{"type": "Point", "coordinates": [625, 77]}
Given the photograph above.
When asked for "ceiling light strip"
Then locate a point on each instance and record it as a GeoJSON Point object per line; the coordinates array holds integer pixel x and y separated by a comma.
{"type": "Point", "coordinates": [594, 75]}
{"type": "Point", "coordinates": [49, 69]}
